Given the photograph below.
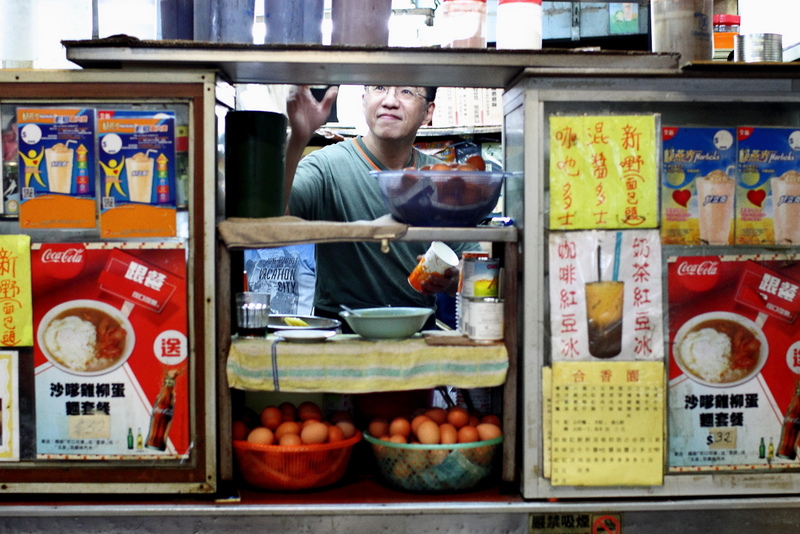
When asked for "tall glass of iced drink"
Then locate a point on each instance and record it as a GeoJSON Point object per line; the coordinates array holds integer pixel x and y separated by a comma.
{"type": "Point", "coordinates": [604, 302]}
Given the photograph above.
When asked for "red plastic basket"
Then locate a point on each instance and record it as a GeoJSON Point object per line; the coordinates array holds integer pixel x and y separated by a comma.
{"type": "Point", "coordinates": [293, 467]}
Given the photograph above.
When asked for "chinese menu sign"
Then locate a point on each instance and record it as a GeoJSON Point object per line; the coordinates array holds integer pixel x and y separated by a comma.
{"type": "Point", "coordinates": [734, 361]}
{"type": "Point", "coordinates": [603, 172]}
{"type": "Point", "coordinates": [15, 291]}
{"type": "Point", "coordinates": [607, 423]}
{"type": "Point", "coordinates": [111, 351]}
{"type": "Point", "coordinates": [605, 295]}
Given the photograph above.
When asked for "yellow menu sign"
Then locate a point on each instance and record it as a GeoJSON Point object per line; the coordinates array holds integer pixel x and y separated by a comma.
{"type": "Point", "coordinates": [607, 424]}
{"type": "Point", "coordinates": [16, 310]}
{"type": "Point", "coordinates": [603, 172]}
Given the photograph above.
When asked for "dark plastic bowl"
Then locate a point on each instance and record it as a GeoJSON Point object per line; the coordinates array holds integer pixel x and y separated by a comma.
{"type": "Point", "coordinates": [440, 198]}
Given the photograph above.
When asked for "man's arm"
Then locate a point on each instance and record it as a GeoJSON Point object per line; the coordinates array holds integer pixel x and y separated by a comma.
{"type": "Point", "coordinates": [306, 114]}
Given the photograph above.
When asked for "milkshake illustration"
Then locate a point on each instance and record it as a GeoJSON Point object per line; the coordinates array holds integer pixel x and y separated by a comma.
{"type": "Point", "coordinates": [59, 160]}
{"type": "Point", "coordinates": [140, 177]}
{"type": "Point", "coordinates": [715, 197]}
{"type": "Point", "coordinates": [786, 208]}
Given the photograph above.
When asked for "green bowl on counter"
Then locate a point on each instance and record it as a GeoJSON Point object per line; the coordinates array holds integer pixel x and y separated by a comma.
{"type": "Point", "coordinates": [387, 322]}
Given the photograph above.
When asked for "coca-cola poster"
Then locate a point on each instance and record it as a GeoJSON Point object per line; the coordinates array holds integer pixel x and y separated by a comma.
{"type": "Point", "coordinates": [605, 295]}
{"type": "Point", "coordinates": [734, 347]}
{"type": "Point", "coordinates": [110, 350]}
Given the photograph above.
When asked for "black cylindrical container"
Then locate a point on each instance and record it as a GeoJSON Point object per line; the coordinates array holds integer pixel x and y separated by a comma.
{"type": "Point", "coordinates": [255, 154]}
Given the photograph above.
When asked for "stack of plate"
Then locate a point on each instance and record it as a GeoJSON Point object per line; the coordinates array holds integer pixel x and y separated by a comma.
{"type": "Point", "coordinates": [756, 47]}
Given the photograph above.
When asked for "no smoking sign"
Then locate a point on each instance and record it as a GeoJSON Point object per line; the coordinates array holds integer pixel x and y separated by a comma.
{"type": "Point", "coordinates": [606, 524]}
{"type": "Point", "coordinates": [575, 523]}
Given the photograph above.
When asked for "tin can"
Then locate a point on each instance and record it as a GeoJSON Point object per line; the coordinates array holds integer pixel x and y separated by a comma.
{"type": "Point", "coordinates": [483, 318]}
{"type": "Point", "coordinates": [466, 257]}
{"type": "Point", "coordinates": [480, 277]}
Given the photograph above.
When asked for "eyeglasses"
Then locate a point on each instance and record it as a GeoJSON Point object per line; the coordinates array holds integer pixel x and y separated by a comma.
{"type": "Point", "coordinates": [404, 94]}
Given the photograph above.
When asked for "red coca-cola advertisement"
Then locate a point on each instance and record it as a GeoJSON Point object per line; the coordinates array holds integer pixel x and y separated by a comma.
{"type": "Point", "coordinates": [110, 350]}
{"type": "Point", "coordinates": [734, 346]}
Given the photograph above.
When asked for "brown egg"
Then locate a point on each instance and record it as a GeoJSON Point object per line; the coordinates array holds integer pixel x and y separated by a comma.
{"type": "Point", "coordinates": [448, 434]}
{"type": "Point", "coordinates": [271, 417]}
{"type": "Point", "coordinates": [378, 427]}
{"type": "Point", "coordinates": [488, 431]}
{"type": "Point", "coordinates": [348, 428]}
{"type": "Point", "coordinates": [437, 415]}
{"type": "Point", "coordinates": [418, 420]}
{"type": "Point", "coordinates": [397, 439]}
{"type": "Point", "coordinates": [314, 433]}
{"type": "Point", "coordinates": [309, 410]}
{"type": "Point", "coordinates": [457, 416]}
{"type": "Point", "coordinates": [400, 426]}
{"type": "Point", "coordinates": [466, 167]}
{"type": "Point", "coordinates": [290, 439]}
{"type": "Point", "coordinates": [335, 434]}
{"type": "Point", "coordinates": [239, 430]}
{"type": "Point", "coordinates": [288, 427]}
{"type": "Point", "coordinates": [468, 434]}
{"type": "Point", "coordinates": [493, 419]}
{"type": "Point", "coordinates": [477, 161]}
{"type": "Point", "coordinates": [428, 433]}
{"type": "Point", "coordinates": [441, 167]}
{"type": "Point", "coordinates": [260, 436]}
{"type": "Point", "coordinates": [288, 411]}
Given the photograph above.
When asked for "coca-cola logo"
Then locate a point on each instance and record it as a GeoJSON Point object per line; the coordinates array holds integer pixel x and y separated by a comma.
{"type": "Point", "coordinates": [71, 255]}
{"type": "Point", "coordinates": [698, 273]}
{"type": "Point", "coordinates": [63, 260]}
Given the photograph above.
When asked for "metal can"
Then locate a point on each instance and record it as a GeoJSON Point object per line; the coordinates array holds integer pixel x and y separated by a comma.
{"type": "Point", "coordinates": [466, 257]}
{"type": "Point", "coordinates": [483, 319]}
{"type": "Point", "coordinates": [480, 277]}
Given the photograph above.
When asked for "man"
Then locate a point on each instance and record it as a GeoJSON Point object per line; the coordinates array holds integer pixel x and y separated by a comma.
{"type": "Point", "coordinates": [334, 184]}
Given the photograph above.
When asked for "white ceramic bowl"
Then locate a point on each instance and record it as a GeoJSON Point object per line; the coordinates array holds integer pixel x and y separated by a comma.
{"type": "Point", "coordinates": [692, 369]}
{"type": "Point", "coordinates": [387, 322]}
{"type": "Point", "coordinates": [99, 307]}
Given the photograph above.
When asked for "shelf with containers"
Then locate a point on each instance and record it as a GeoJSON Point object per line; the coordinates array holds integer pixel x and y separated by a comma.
{"type": "Point", "coordinates": [88, 450]}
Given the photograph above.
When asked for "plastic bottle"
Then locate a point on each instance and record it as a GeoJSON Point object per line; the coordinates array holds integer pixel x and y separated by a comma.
{"type": "Point", "coordinates": [463, 23]}
{"type": "Point", "coordinates": [519, 24]}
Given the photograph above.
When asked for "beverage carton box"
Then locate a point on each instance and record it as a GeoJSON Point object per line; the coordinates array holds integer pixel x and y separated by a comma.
{"type": "Point", "coordinates": [768, 189]}
{"type": "Point", "coordinates": [698, 182]}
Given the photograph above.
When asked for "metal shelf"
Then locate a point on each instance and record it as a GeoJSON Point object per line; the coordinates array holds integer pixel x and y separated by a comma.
{"type": "Point", "coordinates": [317, 64]}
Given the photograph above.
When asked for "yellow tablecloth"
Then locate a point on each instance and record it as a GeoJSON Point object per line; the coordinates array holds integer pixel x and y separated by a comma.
{"type": "Point", "coordinates": [346, 363]}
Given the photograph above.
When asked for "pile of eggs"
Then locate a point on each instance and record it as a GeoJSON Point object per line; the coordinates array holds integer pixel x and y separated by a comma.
{"type": "Point", "coordinates": [287, 424]}
{"type": "Point", "coordinates": [437, 426]}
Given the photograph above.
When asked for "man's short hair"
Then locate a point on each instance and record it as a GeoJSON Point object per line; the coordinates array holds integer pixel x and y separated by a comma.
{"type": "Point", "coordinates": [430, 93]}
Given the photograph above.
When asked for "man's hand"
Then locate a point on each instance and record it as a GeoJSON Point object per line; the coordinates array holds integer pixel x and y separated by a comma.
{"type": "Point", "coordinates": [306, 114]}
{"type": "Point", "coordinates": [447, 282]}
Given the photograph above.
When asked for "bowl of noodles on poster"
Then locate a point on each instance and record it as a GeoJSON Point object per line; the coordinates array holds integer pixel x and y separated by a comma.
{"type": "Point", "coordinates": [85, 337]}
{"type": "Point", "coordinates": [720, 349]}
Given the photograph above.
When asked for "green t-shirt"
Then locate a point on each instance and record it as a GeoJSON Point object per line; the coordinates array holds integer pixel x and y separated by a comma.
{"type": "Point", "coordinates": [334, 184]}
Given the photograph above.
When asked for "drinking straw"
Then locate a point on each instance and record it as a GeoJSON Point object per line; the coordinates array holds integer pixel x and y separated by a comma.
{"type": "Point", "coordinates": [599, 266]}
{"type": "Point", "coordinates": [617, 247]}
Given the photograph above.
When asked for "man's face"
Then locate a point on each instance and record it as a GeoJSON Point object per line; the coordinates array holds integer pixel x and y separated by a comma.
{"type": "Point", "coordinates": [396, 112]}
